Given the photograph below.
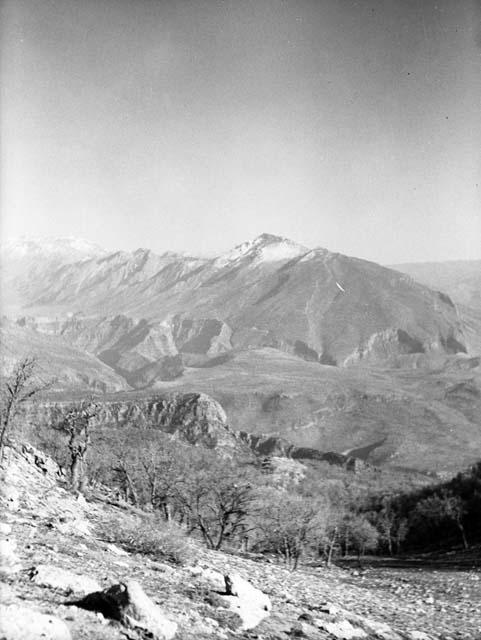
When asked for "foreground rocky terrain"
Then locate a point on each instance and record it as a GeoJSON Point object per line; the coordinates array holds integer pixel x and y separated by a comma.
{"type": "Point", "coordinates": [56, 548]}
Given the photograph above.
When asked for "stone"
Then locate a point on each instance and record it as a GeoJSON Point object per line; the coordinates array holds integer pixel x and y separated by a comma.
{"type": "Point", "coordinates": [380, 630]}
{"type": "Point", "coordinates": [9, 496]}
{"type": "Point", "coordinates": [214, 579]}
{"type": "Point", "coordinates": [22, 623]}
{"type": "Point", "coordinates": [418, 635]}
{"type": "Point", "coordinates": [47, 575]}
{"type": "Point", "coordinates": [9, 560]}
{"type": "Point", "coordinates": [116, 550]}
{"type": "Point", "coordinates": [341, 629]}
{"type": "Point", "coordinates": [74, 527]}
{"type": "Point", "coordinates": [127, 602]}
{"type": "Point", "coordinates": [329, 608]}
{"type": "Point", "coordinates": [250, 603]}
{"type": "Point", "coordinates": [5, 529]}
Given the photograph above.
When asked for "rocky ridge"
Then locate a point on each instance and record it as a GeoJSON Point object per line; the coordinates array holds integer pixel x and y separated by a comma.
{"type": "Point", "coordinates": [195, 418]}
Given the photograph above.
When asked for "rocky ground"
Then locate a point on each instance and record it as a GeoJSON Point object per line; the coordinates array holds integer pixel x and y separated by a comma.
{"type": "Point", "coordinates": [54, 550]}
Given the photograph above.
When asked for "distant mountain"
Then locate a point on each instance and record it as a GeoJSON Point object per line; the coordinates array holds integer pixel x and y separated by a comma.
{"type": "Point", "coordinates": [61, 365]}
{"type": "Point", "coordinates": [460, 279]}
{"type": "Point", "coordinates": [24, 262]}
{"type": "Point", "coordinates": [272, 292]}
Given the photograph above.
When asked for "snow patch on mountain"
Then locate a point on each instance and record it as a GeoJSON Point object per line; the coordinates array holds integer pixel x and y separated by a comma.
{"type": "Point", "coordinates": [69, 249]}
{"type": "Point", "coordinates": [264, 248]}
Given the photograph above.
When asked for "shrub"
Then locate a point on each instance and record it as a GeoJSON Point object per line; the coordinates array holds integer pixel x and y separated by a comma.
{"type": "Point", "coordinates": [150, 536]}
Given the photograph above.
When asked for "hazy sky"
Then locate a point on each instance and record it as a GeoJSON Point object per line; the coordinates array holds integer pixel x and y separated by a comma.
{"type": "Point", "coordinates": [195, 125]}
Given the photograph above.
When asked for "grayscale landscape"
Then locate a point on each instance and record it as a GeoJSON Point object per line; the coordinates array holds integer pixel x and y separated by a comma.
{"type": "Point", "coordinates": [240, 320]}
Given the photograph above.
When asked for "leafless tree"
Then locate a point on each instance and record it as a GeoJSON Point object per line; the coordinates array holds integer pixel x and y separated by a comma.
{"type": "Point", "coordinates": [17, 388]}
{"type": "Point", "coordinates": [77, 425]}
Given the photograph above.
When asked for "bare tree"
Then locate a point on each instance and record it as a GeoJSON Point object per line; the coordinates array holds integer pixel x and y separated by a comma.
{"type": "Point", "coordinates": [288, 524]}
{"type": "Point", "coordinates": [77, 425]}
{"type": "Point", "coordinates": [216, 497]}
{"type": "Point", "coordinates": [19, 387]}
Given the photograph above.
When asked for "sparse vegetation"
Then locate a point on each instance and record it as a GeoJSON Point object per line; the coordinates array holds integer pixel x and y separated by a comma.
{"type": "Point", "coordinates": [150, 536]}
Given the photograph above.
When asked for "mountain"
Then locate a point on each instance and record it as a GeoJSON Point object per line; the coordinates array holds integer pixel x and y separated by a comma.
{"type": "Point", "coordinates": [25, 262]}
{"type": "Point", "coordinates": [61, 365]}
{"type": "Point", "coordinates": [269, 292]}
{"type": "Point", "coordinates": [321, 351]}
{"type": "Point", "coordinates": [460, 279]}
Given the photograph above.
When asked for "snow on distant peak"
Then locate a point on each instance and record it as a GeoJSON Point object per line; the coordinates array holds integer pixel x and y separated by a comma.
{"type": "Point", "coordinates": [264, 248]}
{"type": "Point", "coordinates": [52, 245]}
{"type": "Point", "coordinates": [74, 248]}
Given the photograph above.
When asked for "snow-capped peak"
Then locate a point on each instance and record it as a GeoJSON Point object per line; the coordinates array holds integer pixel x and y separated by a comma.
{"type": "Point", "coordinates": [68, 248]}
{"type": "Point", "coordinates": [264, 248]}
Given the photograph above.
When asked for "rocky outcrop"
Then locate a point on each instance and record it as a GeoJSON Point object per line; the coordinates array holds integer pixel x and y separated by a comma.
{"type": "Point", "coordinates": [197, 419]}
{"type": "Point", "coordinates": [249, 603]}
{"type": "Point", "coordinates": [194, 417]}
{"type": "Point", "coordinates": [58, 578]}
{"type": "Point", "coordinates": [269, 446]}
{"type": "Point", "coordinates": [128, 603]}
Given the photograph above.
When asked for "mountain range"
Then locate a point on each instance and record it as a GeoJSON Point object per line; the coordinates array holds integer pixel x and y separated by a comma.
{"type": "Point", "coordinates": [327, 350]}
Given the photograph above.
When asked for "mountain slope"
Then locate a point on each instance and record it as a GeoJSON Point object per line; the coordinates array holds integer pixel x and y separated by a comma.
{"type": "Point", "coordinates": [460, 279]}
{"type": "Point", "coordinates": [269, 292]}
{"type": "Point", "coordinates": [59, 363]}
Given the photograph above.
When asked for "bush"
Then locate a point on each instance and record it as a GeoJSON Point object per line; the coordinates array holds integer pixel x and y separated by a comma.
{"type": "Point", "coordinates": [150, 536]}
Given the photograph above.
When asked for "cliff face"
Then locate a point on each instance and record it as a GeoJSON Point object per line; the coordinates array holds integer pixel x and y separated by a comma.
{"type": "Point", "coordinates": [195, 418]}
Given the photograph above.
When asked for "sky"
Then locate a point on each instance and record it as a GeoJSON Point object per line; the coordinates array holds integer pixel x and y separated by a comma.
{"type": "Point", "coordinates": [196, 125]}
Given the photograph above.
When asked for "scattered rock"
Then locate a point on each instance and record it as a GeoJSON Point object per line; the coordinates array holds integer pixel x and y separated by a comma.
{"type": "Point", "coordinates": [128, 603]}
{"type": "Point", "coordinates": [56, 578]}
{"type": "Point", "coordinates": [381, 630]}
{"type": "Point", "coordinates": [21, 623]}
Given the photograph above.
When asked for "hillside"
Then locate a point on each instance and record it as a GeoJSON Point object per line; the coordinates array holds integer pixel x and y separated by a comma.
{"type": "Point", "coordinates": [57, 548]}
{"type": "Point", "coordinates": [460, 279]}
{"type": "Point", "coordinates": [60, 365]}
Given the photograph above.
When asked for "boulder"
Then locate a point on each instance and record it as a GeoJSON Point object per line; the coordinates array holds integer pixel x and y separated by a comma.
{"type": "Point", "coordinates": [418, 635]}
{"type": "Point", "coordinates": [128, 603]}
{"type": "Point", "coordinates": [250, 603]}
{"type": "Point", "coordinates": [49, 576]}
{"type": "Point", "coordinates": [380, 630]}
{"type": "Point", "coordinates": [9, 561]}
{"type": "Point", "coordinates": [214, 579]}
{"type": "Point", "coordinates": [22, 623]}
{"type": "Point", "coordinates": [341, 629]}
{"type": "Point", "coordinates": [9, 496]}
